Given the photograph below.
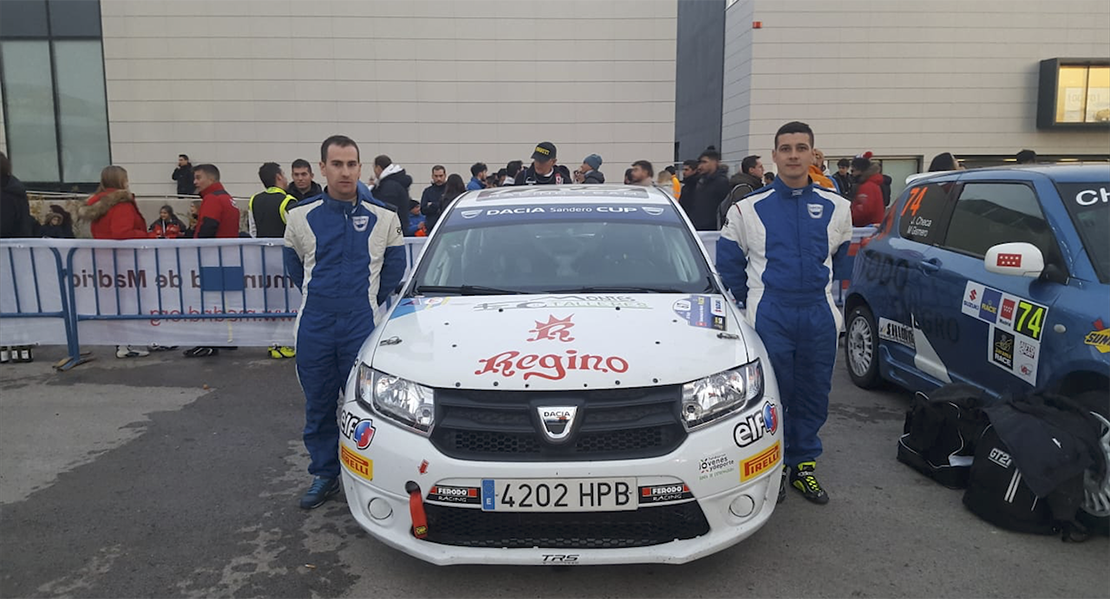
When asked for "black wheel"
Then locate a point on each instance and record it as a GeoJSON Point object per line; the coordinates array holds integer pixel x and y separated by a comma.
{"type": "Point", "coordinates": [861, 349]}
{"type": "Point", "coordinates": [1095, 512]}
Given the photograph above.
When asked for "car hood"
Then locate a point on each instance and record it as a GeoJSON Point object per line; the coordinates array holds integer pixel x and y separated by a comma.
{"type": "Point", "coordinates": [569, 341]}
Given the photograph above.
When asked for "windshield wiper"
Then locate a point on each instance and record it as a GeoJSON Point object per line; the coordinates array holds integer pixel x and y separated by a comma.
{"type": "Point", "coordinates": [618, 289]}
{"type": "Point", "coordinates": [464, 290]}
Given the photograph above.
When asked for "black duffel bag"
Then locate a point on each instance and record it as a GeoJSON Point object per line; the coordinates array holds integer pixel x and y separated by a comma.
{"type": "Point", "coordinates": [940, 433]}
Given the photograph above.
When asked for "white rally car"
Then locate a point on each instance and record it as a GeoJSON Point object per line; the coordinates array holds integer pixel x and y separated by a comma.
{"type": "Point", "coordinates": [563, 381]}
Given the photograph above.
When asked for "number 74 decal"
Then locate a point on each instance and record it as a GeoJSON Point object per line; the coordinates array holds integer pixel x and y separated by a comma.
{"type": "Point", "coordinates": [1007, 312]}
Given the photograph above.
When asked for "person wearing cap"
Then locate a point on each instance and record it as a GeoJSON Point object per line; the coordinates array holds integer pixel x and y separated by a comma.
{"type": "Point", "coordinates": [867, 198]}
{"type": "Point", "coordinates": [589, 171]}
{"type": "Point", "coordinates": [544, 170]}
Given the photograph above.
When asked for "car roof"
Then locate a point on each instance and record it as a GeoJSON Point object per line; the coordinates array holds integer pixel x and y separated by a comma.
{"type": "Point", "coordinates": [550, 195]}
{"type": "Point", "coordinates": [1059, 173]}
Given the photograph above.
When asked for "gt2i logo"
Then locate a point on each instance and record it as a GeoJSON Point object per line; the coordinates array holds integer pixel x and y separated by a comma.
{"type": "Point", "coordinates": [559, 558]}
{"type": "Point", "coordinates": [554, 329]}
{"type": "Point", "coordinates": [1000, 457]}
{"type": "Point", "coordinates": [754, 426]}
{"type": "Point", "coordinates": [359, 430]}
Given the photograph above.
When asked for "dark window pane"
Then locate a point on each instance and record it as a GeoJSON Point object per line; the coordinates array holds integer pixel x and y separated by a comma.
{"type": "Point", "coordinates": [29, 110]}
{"type": "Point", "coordinates": [988, 214]}
{"type": "Point", "coordinates": [922, 214]}
{"type": "Point", "coordinates": [74, 18]}
{"type": "Point", "coordinates": [82, 111]}
{"type": "Point", "coordinates": [23, 18]}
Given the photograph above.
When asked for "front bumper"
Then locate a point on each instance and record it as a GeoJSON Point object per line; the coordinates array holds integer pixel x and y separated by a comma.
{"type": "Point", "coordinates": [709, 463]}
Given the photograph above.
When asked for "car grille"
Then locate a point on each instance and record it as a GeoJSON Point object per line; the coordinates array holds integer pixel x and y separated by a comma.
{"type": "Point", "coordinates": [579, 530]}
{"type": "Point", "coordinates": [610, 424]}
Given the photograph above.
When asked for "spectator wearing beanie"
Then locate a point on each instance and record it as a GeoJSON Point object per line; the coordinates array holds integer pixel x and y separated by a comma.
{"type": "Point", "coordinates": [589, 171]}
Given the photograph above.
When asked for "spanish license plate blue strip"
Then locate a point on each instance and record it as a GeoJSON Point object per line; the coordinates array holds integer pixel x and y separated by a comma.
{"type": "Point", "coordinates": [489, 500]}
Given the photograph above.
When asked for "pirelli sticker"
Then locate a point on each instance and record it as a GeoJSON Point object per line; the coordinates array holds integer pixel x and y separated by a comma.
{"type": "Point", "coordinates": [761, 462]}
{"type": "Point", "coordinates": [357, 464]}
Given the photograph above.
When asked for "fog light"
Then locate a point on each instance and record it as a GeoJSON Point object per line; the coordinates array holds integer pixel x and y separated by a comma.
{"type": "Point", "coordinates": [379, 508]}
{"type": "Point", "coordinates": [742, 506]}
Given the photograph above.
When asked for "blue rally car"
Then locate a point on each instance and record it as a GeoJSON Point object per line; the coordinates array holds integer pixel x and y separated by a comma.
{"type": "Point", "coordinates": [995, 277]}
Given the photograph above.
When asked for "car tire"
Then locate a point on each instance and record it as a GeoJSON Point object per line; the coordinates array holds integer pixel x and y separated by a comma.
{"type": "Point", "coordinates": [861, 348]}
{"type": "Point", "coordinates": [1095, 513]}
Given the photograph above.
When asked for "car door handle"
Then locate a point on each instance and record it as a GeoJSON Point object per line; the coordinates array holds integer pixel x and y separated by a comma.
{"type": "Point", "coordinates": [930, 266]}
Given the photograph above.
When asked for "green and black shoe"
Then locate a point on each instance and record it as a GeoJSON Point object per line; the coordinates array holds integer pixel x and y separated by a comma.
{"type": "Point", "coordinates": [803, 479]}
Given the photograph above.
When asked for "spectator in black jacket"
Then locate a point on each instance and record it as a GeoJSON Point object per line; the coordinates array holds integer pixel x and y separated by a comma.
{"type": "Point", "coordinates": [544, 169]}
{"type": "Point", "coordinates": [15, 210]}
{"type": "Point", "coordinates": [843, 178]}
{"type": "Point", "coordinates": [690, 178]}
{"type": "Point", "coordinates": [303, 186]}
{"type": "Point", "coordinates": [430, 200]}
{"type": "Point", "coordinates": [712, 189]}
{"type": "Point", "coordinates": [512, 169]}
{"type": "Point", "coordinates": [392, 187]}
{"type": "Point", "coordinates": [183, 174]}
{"type": "Point", "coordinates": [59, 223]}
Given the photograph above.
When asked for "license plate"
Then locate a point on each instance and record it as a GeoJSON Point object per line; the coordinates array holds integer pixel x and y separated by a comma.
{"type": "Point", "coordinates": [559, 495]}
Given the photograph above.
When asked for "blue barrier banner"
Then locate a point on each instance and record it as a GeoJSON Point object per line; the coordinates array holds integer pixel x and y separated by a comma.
{"type": "Point", "coordinates": [169, 292]}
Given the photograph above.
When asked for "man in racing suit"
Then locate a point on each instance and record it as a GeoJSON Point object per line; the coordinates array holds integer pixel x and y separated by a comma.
{"type": "Point", "coordinates": [344, 250]}
{"type": "Point", "coordinates": [779, 251]}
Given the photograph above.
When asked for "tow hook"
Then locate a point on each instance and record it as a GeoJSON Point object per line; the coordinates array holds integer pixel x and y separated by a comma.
{"type": "Point", "coordinates": [416, 510]}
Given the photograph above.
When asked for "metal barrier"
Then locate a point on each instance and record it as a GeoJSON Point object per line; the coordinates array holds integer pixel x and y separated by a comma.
{"type": "Point", "coordinates": [171, 292]}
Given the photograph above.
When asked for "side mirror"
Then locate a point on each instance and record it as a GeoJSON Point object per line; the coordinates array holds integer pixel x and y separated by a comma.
{"type": "Point", "coordinates": [1019, 259]}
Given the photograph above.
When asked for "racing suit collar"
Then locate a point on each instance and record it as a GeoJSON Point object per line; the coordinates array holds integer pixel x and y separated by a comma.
{"type": "Point", "coordinates": [786, 191]}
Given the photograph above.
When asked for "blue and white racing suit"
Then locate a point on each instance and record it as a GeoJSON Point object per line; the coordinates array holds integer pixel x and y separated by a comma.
{"type": "Point", "coordinates": [346, 258]}
{"type": "Point", "coordinates": [779, 252]}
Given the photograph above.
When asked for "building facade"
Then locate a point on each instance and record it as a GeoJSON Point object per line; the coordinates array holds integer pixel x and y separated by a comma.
{"type": "Point", "coordinates": [241, 82]}
{"type": "Point", "coordinates": [909, 80]}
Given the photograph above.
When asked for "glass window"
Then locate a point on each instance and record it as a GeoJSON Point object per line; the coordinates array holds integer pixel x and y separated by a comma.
{"type": "Point", "coordinates": [29, 110]}
{"type": "Point", "coordinates": [82, 112]}
{"type": "Point", "coordinates": [1090, 211]}
{"type": "Point", "coordinates": [921, 217]}
{"type": "Point", "coordinates": [987, 214]}
{"type": "Point", "coordinates": [23, 18]}
{"type": "Point", "coordinates": [540, 257]}
{"type": "Point", "coordinates": [74, 18]}
{"type": "Point", "coordinates": [1083, 94]}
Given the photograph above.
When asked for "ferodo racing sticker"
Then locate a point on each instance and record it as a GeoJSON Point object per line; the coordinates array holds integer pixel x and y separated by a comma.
{"type": "Point", "coordinates": [665, 493]}
{"type": "Point", "coordinates": [1014, 334]}
{"type": "Point", "coordinates": [453, 494]}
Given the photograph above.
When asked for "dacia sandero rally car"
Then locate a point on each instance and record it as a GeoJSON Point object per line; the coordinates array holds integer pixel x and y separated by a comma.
{"type": "Point", "coordinates": [562, 381]}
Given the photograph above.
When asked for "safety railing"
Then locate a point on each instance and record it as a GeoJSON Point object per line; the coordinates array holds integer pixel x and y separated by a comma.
{"type": "Point", "coordinates": [214, 292]}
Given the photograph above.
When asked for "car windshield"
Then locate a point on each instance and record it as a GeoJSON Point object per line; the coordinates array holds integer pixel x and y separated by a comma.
{"type": "Point", "coordinates": [563, 249]}
{"type": "Point", "coordinates": [1089, 206]}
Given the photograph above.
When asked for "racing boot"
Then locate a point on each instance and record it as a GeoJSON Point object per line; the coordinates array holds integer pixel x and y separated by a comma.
{"type": "Point", "coordinates": [321, 490]}
{"type": "Point", "coordinates": [803, 479]}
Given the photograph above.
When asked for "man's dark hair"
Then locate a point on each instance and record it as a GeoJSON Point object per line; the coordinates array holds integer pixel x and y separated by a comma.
{"type": "Point", "coordinates": [748, 163]}
{"type": "Point", "coordinates": [794, 127]}
{"type": "Point", "coordinates": [301, 163]}
{"type": "Point", "coordinates": [1026, 157]}
{"type": "Point", "coordinates": [478, 167]}
{"type": "Point", "coordinates": [690, 163]}
{"type": "Point", "coordinates": [268, 173]}
{"type": "Point", "coordinates": [338, 140]}
{"type": "Point", "coordinates": [502, 172]}
{"type": "Point", "coordinates": [860, 163]}
{"type": "Point", "coordinates": [185, 156]}
{"type": "Point", "coordinates": [710, 153]}
{"type": "Point", "coordinates": [845, 162]}
{"type": "Point", "coordinates": [670, 169]}
{"type": "Point", "coordinates": [209, 169]}
{"type": "Point", "coordinates": [513, 167]}
{"type": "Point", "coordinates": [644, 164]}
{"type": "Point", "coordinates": [382, 161]}
{"type": "Point", "coordinates": [439, 167]}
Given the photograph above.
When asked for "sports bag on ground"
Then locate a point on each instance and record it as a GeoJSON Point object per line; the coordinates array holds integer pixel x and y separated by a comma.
{"type": "Point", "coordinates": [940, 433]}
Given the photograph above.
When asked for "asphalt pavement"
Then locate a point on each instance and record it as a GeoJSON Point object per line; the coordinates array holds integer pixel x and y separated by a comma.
{"type": "Point", "coordinates": [174, 477]}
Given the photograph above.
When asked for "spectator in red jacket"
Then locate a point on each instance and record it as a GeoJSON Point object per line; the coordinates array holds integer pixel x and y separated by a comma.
{"type": "Point", "coordinates": [218, 216]}
{"type": "Point", "coordinates": [114, 215]}
{"type": "Point", "coordinates": [867, 204]}
{"type": "Point", "coordinates": [112, 210]}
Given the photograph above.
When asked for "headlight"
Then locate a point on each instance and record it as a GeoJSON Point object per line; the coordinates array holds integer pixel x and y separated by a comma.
{"type": "Point", "coordinates": [398, 399]}
{"type": "Point", "coordinates": [715, 396]}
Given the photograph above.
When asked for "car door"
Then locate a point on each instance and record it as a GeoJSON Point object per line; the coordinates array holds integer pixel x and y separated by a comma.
{"type": "Point", "coordinates": [901, 290]}
{"type": "Point", "coordinates": [999, 320]}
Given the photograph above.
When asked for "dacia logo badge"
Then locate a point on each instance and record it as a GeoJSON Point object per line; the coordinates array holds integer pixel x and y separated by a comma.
{"type": "Point", "coordinates": [815, 210]}
{"type": "Point", "coordinates": [557, 421]}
